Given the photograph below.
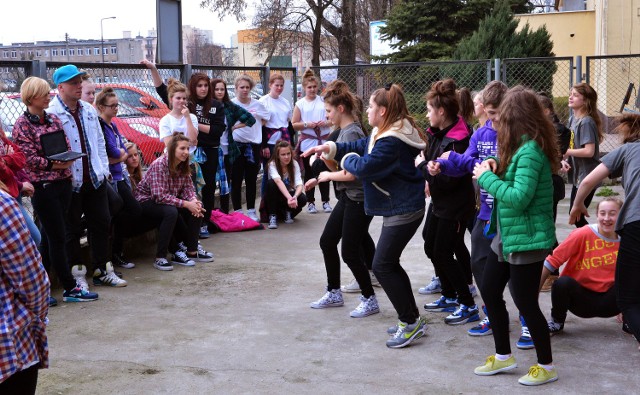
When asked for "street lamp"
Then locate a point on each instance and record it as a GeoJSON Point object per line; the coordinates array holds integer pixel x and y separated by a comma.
{"type": "Point", "coordinates": [102, 42]}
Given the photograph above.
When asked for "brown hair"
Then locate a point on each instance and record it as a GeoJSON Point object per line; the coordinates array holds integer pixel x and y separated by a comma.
{"type": "Point", "coordinates": [392, 99]}
{"type": "Point", "coordinates": [136, 175]}
{"type": "Point", "coordinates": [338, 93]}
{"type": "Point", "coordinates": [193, 83]}
{"type": "Point", "coordinates": [174, 86]}
{"type": "Point", "coordinates": [177, 168]}
{"type": "Point", "coordinates": [244, 77]}
{"type": "Point", "coordinates": [443, 95]}
{"type": "Point", "coordinates": [546, 102]}
{"type": "Point", "coordinates": [521, 115]}
{"type": "Point", "coordinates": [275, 77]}
{"type": "Point", "coordinates": [591, 105]}
{"type": "Point", "coordinates": [612, 199]}
{"type": "Point", "coordinates": [105, 94]}
{"type": "Point", "coordinates": [629, 127]}
{"type": "Point", "coordinates": [308, 77]}
{"type": "Point", "coordinates": [275, 158]}
{"type": "Point", "coordinates": [215, 82]}
{"type": "Point", "coordinates": [466, 105]}
{"type": "Point", "coordinates": [493, 93]}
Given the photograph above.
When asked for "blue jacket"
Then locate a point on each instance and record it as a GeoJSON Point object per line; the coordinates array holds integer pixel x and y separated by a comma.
{"type": "Point", "coordinates": [384, 162]}
{"type": "Point", "coordinates": [482, 145]}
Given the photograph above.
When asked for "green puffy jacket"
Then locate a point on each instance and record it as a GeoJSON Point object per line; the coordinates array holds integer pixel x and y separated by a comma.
{"type": "Point", "coordinates": [524, 200]}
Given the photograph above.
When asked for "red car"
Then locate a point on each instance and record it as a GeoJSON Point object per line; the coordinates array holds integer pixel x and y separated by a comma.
{"type": "Point", "coordinates": [140, 99]}
{"type": "Point", "coordinates": [136, 126]}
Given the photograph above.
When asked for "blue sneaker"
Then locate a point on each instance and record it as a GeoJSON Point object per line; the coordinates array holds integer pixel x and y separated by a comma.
{"type": "Point", "coordinates": [52, 301]}
{"type": "Point", "coordinates": [524, 342]}
{"type": "Point", "coordinates": [79, 295]}
{"type": "Point", "coordinates": [482, 329]}
{"type": "Point", "coordinates": [462, 315]}
{"type": "Point", "coordinates": [443, 304]}
{"type": "Point", "coordinates": [204, 232]}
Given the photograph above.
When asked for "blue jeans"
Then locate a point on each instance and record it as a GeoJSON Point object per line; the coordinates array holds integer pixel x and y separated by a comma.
{"type": "Point", "coordinates": [33, 228]}
{"type": "Point", "coordinates": [392, 277]}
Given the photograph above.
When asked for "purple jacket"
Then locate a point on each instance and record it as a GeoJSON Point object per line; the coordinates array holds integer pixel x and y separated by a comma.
{"type": "Point", "coordinates": [483, 144]}
{"type": "Point", "coordinates": [113, 143]}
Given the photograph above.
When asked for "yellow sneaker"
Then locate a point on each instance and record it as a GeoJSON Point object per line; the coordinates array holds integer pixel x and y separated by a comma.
{"type": "Point", "coordinates": [493, 366]}
{"type": "Point", "coordinates": [538, 375]}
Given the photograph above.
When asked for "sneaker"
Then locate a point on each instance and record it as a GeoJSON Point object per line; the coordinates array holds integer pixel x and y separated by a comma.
{"type": "Point", "coordinates": [407, 333]}
{"type": "Point", "coordinates": [52, 301]}
{"type": "Point", "coordinates": [204, 232]}
{"type": "Point", "coordinates": [181, 259]}
{"type": "Point", "coordinates": [443, 305]}
{"type": "Point", "coordinates": [433, 287]}
{"type": "Point", "coordinates": [78, 294]}
{"type": "Point", "coordinates": [524, 342]}
{"type": "Point", "coordinates": [79, 273]}
{"type": "Point", "coordinates": [473, 290]}
{"type": "Point", "coordinates": [482, 329]}
{"type": "Point", "coordinates": [311, 208]}
{"type": "Point", "coordinates": [555, 327]}
{"type": "Point", "coordinates": [162, 264]}
{"type": "Point", "coordinates": [118, 260]}
{"type": "Point", "coordinates": [108, 277]}
{"type": "Point", "coordinates": [494, 366]}
{"type": "Point", "coordinates": [251, 213]}
{"type": "Point", "coordinates": [326, 207]}
{"type": "Point", "coordinates": [287, 217]}
{"type": "Point", "coordinates": [183, 247]}
{"type": "Point", "coordinates": [332, 298]}
{"type": "Point", "coordinates": [548, 283]}
{"type": "Point", "coordinates": [201, 256]}
{"type": "Point", "coordinates": [273, 222]}
{"type": "Point", "coordinates": [367, 306]}
{"type": "Point", "coordinates": [462, 315]}
{"type": "Point", "coordinates": [374, 279]}
{"type": "Point", "coordinates": [538, 375]}
{"type": "Point", "coordinates": [352, 287]}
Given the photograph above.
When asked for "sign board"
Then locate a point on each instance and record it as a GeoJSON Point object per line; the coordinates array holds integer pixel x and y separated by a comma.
{"type": "Point", "coordinates": [169, 22]}
{"type": "Point", "coordinates": [378, 46]}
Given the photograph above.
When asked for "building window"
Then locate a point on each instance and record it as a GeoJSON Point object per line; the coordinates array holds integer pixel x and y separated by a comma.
{"type": "Point", "coordinates": [38, 53]}
{"type": "Point", "coordinates": [5, 54]}
{"type": "Point", "coordinates": [105, 51]}
{"type": "Point", "coordinates": [80, 51]}
{"type": "Point", "coordinates": [14, 54]}
{"type": "Point", "coordinates": [87, 51]}
{"type": "Point", "coordinates": [96, 51]}
{"type": "Point", "coordinates": [46, 52]}
{"type": "Point", "coordinates": [63, 52]}
{"type": "Point", "coordinates": [72, 52]}
{"type": "Point", "coordinates": [54, 52]}
{"type": "Point", "coordinates": [113, 51]}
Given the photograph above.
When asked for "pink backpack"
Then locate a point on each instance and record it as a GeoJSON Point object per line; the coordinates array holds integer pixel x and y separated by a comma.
{"type": "Point", "coordinates": [234, 222]}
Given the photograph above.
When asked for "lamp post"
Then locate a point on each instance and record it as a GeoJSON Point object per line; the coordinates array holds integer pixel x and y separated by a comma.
{"type": "Point", "coordinates": [102, 42]}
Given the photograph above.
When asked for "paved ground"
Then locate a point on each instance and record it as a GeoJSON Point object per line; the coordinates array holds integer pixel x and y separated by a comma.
{"type": "Point", "coordinates": [243, 325]}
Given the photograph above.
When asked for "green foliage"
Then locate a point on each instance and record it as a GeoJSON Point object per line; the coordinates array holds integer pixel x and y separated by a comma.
{"type": "Point", "coordinates": [606, 192]}
{"type": "Point", "coordinates": [431, 29]}
{"type": "Point", "coordinates": [497, 37]}
{"type": "Point", "coordinates": [561, 107]}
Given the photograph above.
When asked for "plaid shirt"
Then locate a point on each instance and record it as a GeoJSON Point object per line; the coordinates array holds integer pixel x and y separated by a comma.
{"type": "Point", "coordinates": [24, 288]}
{"type": "Point", "coordinates": [234, 113]}
{"type": "Point", "coordinates": [158, 185]}
{"type": "Point", "coordinates": [26, 135]}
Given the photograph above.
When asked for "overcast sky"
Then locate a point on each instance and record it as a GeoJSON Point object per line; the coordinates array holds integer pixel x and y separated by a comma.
{"type": "Point", "coordinates": [49, 20]}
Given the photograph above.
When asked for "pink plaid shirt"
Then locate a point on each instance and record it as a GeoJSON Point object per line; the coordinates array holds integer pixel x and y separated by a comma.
{"type": "Point", "coordinates": [158, 185]}
{"type": "Point", "coordinates": [24, 288]}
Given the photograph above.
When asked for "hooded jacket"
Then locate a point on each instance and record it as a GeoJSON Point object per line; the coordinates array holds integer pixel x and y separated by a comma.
{"type": "Point", "coordinates": [452, 198]}
{"type": "Point", "coordinates": [385, 164]}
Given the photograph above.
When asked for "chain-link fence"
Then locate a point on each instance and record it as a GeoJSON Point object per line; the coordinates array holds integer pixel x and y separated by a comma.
{"type": "Point", "coordinates": [554, 76]}
{"type": "Point", "coordinates": [415, 79]}
{"type": "Point", "coordinates": [616, 79]}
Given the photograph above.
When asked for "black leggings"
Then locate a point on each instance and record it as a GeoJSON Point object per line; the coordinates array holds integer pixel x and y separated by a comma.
{"type": "Point", "coordinates": [323, 186]}
{"type": "Point", "coordinates": [209, 169]}
{"type": "Point", "coordinates": [23, 382]}
{"type": "Point", "coordinates": [628, 276]}
{"type": "Point", "coordinates": [242, 169]}
{"type": "Point", "coordinates": [277, 204]}
{"type": "Point", "coordinates": [174, 224]}
{"type": "Point", "coordinates": [348, 222]}
{"type": "Point", "coordinates": [128, 218]}
{"type": "Point", "coordinates": [568, 295]}
{"type": "Point", "coordinates": [525, 280]}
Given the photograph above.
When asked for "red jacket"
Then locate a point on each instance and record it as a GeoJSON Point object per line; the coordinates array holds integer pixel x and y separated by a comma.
{"type": "Point", "coordinates": [10, 164]}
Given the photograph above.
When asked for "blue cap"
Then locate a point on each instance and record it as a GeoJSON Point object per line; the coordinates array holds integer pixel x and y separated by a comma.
{"type": "Point", "coordinates": [65, 73]}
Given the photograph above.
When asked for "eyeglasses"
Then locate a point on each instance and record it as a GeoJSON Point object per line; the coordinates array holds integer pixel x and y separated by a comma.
{"type": "Point", "coordinates": [113, 106]}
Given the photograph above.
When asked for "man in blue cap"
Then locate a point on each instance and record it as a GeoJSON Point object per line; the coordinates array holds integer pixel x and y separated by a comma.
{"type": "Point", "coordinates": [90, 177]}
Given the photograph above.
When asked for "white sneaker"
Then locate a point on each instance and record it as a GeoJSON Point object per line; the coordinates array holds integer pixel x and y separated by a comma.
{"type": "Point", "coordinates": [367, 306]}
{"type": "Point", "coordinates": [251, 213]}
{"type": "Point", "coordinates": [273, 222]}
{"type": "Point", "coordinates": [332, 298]}
{"type": "Point", "coordinates": [79, 273]}
{"type": "Point", "coordinates": [433, 287]}
{"type": "Point", "coordinates": [311, 208]}
{"type": "Point", "coordinates": [326, 207]}
{"type": "Point", "coordinates": [287, 218]}
{"type": "Point", "coordinates": [473, 290]}
{"type": "Point", "coordinates": [108, 277]}
{"type": "Point", "coordinates": [353, 286]}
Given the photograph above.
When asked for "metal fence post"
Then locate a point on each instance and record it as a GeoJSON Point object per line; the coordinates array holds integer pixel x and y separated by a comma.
{"type": "Point", "coordinates": [496, 72]}
{"type": "Point", "coordinates": [579, 70]}
{"type": "Point", "coordinates": [185, 73]}
{"type": "Point", "coordinates": [265, 79]}
{"type": "Point", "coordinates": [488, 71]}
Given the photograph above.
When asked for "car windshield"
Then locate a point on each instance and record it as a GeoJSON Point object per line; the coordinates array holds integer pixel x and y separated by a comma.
{"type": "Point", "coordinates": [126, 111]}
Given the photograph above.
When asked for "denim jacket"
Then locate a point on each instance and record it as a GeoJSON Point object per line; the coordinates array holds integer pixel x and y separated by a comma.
{"type": "Point", "coordinates": [384, 162]}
